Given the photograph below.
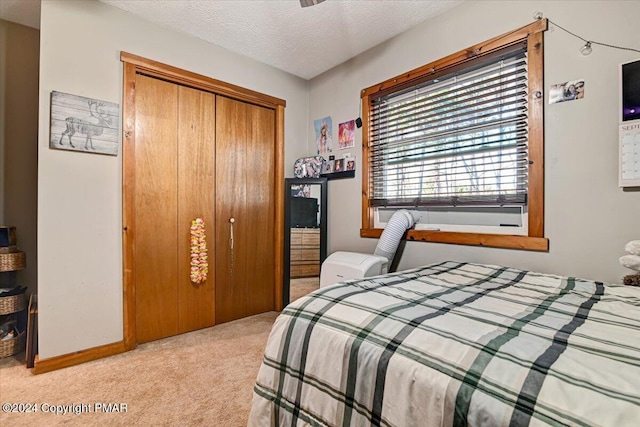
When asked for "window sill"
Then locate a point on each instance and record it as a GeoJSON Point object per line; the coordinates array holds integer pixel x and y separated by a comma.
{"type": "Point", "coordinates": [472, 239]}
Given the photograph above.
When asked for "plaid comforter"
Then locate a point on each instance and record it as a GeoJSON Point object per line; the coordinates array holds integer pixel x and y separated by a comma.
{"type": "Point", "coordinates": [455, 344]}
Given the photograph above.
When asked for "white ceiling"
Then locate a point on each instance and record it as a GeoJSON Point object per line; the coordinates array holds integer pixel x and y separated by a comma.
{"type": "Point", "coordinates": [302, 41]}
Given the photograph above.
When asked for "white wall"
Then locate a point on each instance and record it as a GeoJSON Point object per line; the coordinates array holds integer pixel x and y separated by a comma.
{"type": "Point", "coordinates": [80, 206]}
{"type": "Point", "coordinates": [588, 219]}
{"type": "Point", "coordinates": [3, 103]}
{"type": "Point", "coordinates": [19, 64]}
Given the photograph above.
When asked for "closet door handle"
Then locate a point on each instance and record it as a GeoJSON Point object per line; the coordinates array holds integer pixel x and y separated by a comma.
{"type": "Point", "coordinates": [231, 222]}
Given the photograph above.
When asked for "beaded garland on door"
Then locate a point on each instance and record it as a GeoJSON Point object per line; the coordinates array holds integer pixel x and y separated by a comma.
{"type": "Point", "coordinates": [199, 259]}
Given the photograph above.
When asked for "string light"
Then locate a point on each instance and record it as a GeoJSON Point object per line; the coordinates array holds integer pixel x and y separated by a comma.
{"type": "Point", "coordinates": [586, 49]}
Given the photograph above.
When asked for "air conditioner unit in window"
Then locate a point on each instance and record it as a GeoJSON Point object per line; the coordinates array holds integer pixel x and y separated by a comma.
{"type": "Point", "coordinates": [341, 266]}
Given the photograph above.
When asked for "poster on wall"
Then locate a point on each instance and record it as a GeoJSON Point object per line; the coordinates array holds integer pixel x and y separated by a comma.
{"type": "Point", "coordinates": [567, 91]}
{"type": "Point", "coordinates": [346, 134]}
{"type": "Point", "coordinates": [323, 135]}
{"type": "Point", "coordinates": [84, 124]}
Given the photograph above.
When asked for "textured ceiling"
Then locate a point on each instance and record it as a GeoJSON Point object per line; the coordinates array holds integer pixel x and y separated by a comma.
{"type": "Point", "coordinates": [302, 41]}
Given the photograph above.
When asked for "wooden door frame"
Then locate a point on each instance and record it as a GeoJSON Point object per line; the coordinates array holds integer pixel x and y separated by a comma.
{"type": "Point", "coordinates": [133, 65]}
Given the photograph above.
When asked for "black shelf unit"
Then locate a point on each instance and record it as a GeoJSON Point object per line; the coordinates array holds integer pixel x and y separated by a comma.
{"type": "Point", "coordinates": [339, 175]}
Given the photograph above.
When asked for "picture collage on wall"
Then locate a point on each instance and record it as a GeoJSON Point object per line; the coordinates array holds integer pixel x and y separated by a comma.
{"type": "Point", "coordinates": [324, 144]}
{"type": "Point", "coordinates": [339, 165]}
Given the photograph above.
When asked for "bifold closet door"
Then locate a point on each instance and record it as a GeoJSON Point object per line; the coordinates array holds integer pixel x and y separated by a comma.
{"type": "Point", "coordinates": [196, 199]}
{"type": "Point", "coordinates": [245, 209]}
{"type": "Point", "coordinates": [156, 209]}
{"type": "Point", "coordinates": [175, 164]}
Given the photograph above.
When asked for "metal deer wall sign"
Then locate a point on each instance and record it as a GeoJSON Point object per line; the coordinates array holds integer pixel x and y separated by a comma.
{"type": "Point", "coordinates": [84, 124]}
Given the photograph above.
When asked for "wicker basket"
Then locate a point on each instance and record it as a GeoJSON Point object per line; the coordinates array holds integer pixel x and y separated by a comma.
{"type": "Point", "coordinates": [12, 261]}
{"type": "Point", "coordinates": [12, 346]}
{"type": "Point", "coordinates": [12, 304]}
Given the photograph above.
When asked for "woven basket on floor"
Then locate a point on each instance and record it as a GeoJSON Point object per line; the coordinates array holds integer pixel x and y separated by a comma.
{"type": "Point", "coordinates": [13, 346]}
{"type": "Point", "coordinates": [12, 304]}
{"type": "Point", "coordinates": [12, 261]}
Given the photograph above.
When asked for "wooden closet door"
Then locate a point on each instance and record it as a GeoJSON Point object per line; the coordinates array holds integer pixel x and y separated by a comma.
{"type": "Point", "coordinates": [260, 209]}
{"type": "Point", "coordinates": [156, 265]}
{"type": "Point", "coordinates": [245, 192]}
{"type": "Point", "coordinates": [196, 198]}
{"type": "Point", "coordinates": [231, 200]}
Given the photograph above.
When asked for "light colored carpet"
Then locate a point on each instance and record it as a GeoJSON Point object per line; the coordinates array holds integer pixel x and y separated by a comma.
{"type": "Point", "coordinates": [200, 378]}
{"type": "Point", "coordinates": [301, 287]}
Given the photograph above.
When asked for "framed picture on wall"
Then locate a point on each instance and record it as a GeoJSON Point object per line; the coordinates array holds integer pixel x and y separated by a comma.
{"type": "Point", "coordinates": [84, 124]}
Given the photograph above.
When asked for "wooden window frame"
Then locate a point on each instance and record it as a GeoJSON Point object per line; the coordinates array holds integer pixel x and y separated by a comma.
{"type": "Point", "coordinates": [532, 34]}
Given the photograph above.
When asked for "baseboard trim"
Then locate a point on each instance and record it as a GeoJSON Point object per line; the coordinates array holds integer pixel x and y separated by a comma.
{"type": "Point", "coordinates": [78, 357]}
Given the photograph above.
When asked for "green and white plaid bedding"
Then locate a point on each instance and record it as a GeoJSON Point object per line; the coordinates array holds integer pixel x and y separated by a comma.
{"type": "Point", "coordinates": [455, 344]}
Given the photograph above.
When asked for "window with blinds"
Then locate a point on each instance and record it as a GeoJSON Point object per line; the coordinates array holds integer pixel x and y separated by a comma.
{"type": "Point", "coordinates": [460, 139]}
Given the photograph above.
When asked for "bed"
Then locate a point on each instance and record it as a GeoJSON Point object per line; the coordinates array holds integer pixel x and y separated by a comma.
{"type": "Point", "coordinates": [454, 344]}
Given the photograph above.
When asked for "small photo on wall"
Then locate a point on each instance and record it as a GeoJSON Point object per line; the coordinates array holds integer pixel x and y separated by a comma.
{"type": "Point", "coordinates": [339, 166]}
{"type": "Point", "coordinates": [350, 164]}
{"type": "Point", "coordinates": [567, 91]}
{"type": "Point", "coordinates": [327, 167]}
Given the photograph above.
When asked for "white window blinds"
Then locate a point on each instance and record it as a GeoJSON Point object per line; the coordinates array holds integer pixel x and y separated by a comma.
{"type": "Point", "coordinates": [456, 140]}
